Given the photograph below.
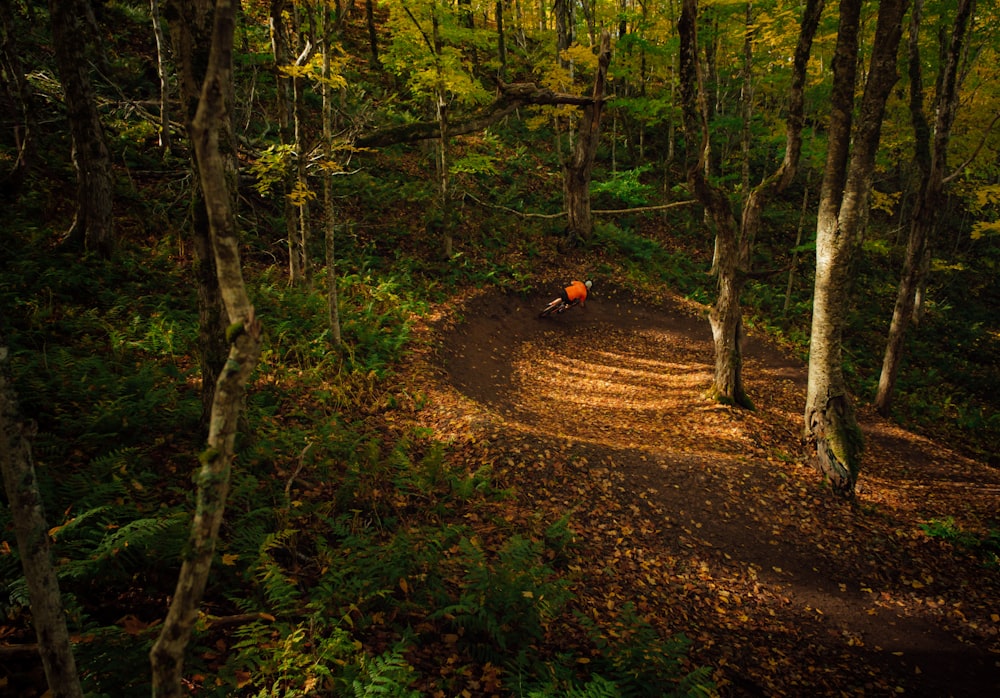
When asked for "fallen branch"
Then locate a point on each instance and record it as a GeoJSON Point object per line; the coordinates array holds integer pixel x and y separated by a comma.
{"type": "Point", "coordinates": [603, 212]}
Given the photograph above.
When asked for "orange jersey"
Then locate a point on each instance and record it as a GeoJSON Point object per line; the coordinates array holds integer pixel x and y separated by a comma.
{"type": "Point", "coordinates": [577, 291]}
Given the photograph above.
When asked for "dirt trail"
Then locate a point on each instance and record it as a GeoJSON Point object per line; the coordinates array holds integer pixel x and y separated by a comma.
{"type": "Point", "coordinates": [717, 528]}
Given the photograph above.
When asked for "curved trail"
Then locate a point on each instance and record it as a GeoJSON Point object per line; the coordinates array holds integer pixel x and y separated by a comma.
{"type": "Point", "coordinates": [751, 560]}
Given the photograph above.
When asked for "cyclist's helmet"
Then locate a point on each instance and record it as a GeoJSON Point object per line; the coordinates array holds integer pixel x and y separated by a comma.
{"type": "Point", "coordinates": [588, 283]}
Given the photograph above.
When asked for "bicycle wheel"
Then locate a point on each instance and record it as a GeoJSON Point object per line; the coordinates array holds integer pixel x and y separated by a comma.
{"type": "Point", "coordinates": [554, 307]}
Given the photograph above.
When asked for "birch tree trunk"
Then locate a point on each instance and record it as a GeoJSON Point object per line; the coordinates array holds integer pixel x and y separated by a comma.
{"type": "Point", "coordinates": [32, 534]}
{"type": "Point", "coordinates": [243, 335]}
{"type": "Point", "coordinates": [931, 158]}
{"type": "Point", "coordinates": [831, 428]}
{"type": "Point", "coordinates": [93, 225]}
{"type": "Point", "coordinates": [580, 166]}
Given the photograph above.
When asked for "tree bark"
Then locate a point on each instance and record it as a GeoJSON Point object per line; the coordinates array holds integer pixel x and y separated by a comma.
{"type": "Point", "coordinates": [333, 304]}
{"type": "Point", "coordinates": [580, 166]}
{"type": "Point", "coordinates": [372, 32]}
{"type": "Point", "coordinates": [931, 159]}
{"type": "Point", "coordinates": [243, 335]}
{"type": "Point", "coordinates": [831, 428]}
{"type": "Point", "coordinates": [31, 530]}
{"type": "Point", "coordinates": [93, 225]}
{"type": "Point", "coordinates": [161, 71]}
{"type": "Point", "coordinates": [734, 242]}
{"type": "Point", "coordinates": [190, 24]}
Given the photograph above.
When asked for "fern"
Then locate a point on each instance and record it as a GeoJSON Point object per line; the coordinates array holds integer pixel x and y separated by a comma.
{"type": "Point", "coordinates": [597, 687]}
{"type": "Point", "coordinates": [386, 675]}
{"type": "Point", "coordinates": [281, 591]}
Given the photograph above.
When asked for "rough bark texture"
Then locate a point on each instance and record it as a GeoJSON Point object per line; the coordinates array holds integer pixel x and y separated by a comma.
{"type": "Point", "coordinates": [725, 316]}
{"type": "Point", "coordinates": [93, 225]}
{"type": "Point", "coordinates": [243, 335]}
{"type": "Point", "coordinates": [830, 425]}
{"type": "Point", "coordinates": [31, 530]}
{"type": "Point", "coordinates": [931, 160]}
{"type": "Point", "coordinates": [191, 26]}
{"type": "Point", "coordinates": [580, 166]}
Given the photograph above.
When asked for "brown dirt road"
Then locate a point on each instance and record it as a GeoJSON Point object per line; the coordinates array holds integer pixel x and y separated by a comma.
{"type": "Point", "coordinates": [708, 518]}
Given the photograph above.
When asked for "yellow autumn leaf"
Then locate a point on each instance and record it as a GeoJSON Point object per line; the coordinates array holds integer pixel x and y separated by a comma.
{"type": "Point", "coordinates": [229, 559]}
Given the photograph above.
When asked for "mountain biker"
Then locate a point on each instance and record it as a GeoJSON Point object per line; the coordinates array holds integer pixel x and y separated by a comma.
{"type": "Point", "coordinates": [576, 292]}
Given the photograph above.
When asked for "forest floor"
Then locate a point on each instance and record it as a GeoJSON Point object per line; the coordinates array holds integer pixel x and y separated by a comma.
{"type": "Point", "coordinates": [708, 519]}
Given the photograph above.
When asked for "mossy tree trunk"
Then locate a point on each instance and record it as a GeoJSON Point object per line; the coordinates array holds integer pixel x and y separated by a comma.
{"type": "Point", "coordinates": [32, 532]}
{"type": "Point", "coordinates": [831, 427]}
{"type": "Point", "coordinates": [93, 226]}
{"type": "Point", "coordinates": [244, 338]}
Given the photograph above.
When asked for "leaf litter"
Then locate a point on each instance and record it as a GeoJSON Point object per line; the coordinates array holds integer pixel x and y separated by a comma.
{"type": "Point", "coordinates": [708, 519]}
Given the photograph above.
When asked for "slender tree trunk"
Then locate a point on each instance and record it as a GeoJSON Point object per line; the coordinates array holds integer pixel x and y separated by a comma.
{"type": "Point", "coordinates": [931, 160]}
{"type": "Point", "coordinates": [831, 427]}
{"type": "Point", "coordinates": [333, 304]}
{"type": "Point", "coordinates": [32, 532]}
{"type": "Point", "coordinates": [562, 9]}
{"type": "Point", "coordinates": [190, 24]}
{"type": "Point", "coordinates": [161, 71]}
{"type": "Point", "coordinates": [93, 225]}
{"type": "Point", "coordinates": [501, 40]}
{"type": "Point", "coordinates": [20, 97]}
{"type": "Point", "coordinates": [795, 251]}
{"type": "Point", "coordinates": [167, 654]}
{"type": "Point", "coordinates": [372, 31]}
{"type": "Point", "coordinates": [578, 170]}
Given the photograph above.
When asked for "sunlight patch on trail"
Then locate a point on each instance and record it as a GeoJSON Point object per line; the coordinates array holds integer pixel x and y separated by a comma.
{"type": "Point", "coordinates": [621, 399]}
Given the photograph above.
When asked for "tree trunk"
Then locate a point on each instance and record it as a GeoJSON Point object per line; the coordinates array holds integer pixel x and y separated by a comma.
{"type": "Point", "coordinates": [578, 170]}
{"type": "Point", "coordinates": [31, 530]}
{"type": "Point", "coordinates": [93, 226]}
{"type": "Point", "coordinates": [734, 243]}
{"type": "Point", "coordinates": [372, 31]}
{"type": "Point", "coordinates": [831, 427]}
{"type": "Point", "coordinates": [931, 160]}
{"type": "Point", "coordinates": [243, 334]}
{"type": "Point", "coordinates": [19, 96]}
{"type": "Point", "coordinates": [161, 71]}
{"type": "Point", "coordinates": [190, 24]}
{"type": "Point", "coordinates": [333, 305]}
{"type": "Point", "coordinates": [563, 11]}
{"type": "Point", "coordinates": [501, 40]}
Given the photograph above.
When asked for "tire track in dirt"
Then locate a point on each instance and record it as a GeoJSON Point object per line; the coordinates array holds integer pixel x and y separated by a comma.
{"type": "Point", "coordinates": [619, 386]}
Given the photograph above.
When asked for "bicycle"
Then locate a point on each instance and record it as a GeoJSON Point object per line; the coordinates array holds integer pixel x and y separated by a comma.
{"type": "Point", "coordinates": [556, 307]}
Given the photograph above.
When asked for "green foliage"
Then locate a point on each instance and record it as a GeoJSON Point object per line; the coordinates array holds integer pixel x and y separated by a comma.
{"type": "Point", "coordinates": [647, 259]}
{"type": "Point", "coordinates": [505, 603]}
{"type": "Point", "coordinates": [626, 187]}
{"type": "Point", "coordinates": [986, 547]}
{"type": "Point", "coordinates": [641, 662]}
{"type": "Point", "coordinates": [386, 675]}
{"type": "Point", "coordinates": [596, 687]}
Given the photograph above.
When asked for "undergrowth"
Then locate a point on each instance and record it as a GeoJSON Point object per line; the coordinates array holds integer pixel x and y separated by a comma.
{"type": "Point", "coordinates": [346, 555]}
